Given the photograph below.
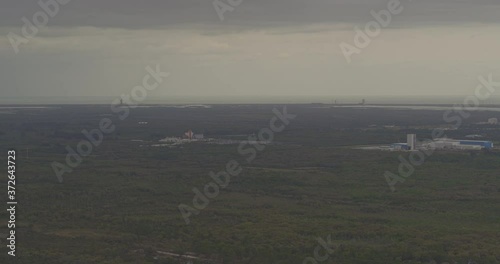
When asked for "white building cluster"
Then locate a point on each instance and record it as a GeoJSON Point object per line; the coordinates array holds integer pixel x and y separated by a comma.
{"type": "Point", "coordinates": [442, 143]}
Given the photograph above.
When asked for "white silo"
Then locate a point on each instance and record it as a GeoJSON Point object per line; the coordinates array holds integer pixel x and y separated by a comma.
{"type": "Point", "coordinates": [412, 141]}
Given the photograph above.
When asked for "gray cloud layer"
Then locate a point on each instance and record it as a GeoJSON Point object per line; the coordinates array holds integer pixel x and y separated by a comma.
{"type": "Point", "coordinates": [133, 14]}
{"type": "Point", "coordinates": [263, 47]}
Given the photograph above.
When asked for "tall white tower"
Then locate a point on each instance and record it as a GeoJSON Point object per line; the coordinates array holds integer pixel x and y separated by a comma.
{"type": "Point", "coordinates": [412, 141]}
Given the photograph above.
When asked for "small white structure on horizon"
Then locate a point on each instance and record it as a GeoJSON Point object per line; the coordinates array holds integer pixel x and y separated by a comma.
{"type": "Point", "coordinates": [188, 136]}
{"type": "Point", "coordinates": [493, 121]}
{"type": "Point", "coordinates": [191, 135]}
{"type": "Point", "coordinates": [171, 140]}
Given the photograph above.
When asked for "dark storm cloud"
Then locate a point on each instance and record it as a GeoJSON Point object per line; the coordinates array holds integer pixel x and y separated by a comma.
{"type": "Point", "coordinates": [150, 14]}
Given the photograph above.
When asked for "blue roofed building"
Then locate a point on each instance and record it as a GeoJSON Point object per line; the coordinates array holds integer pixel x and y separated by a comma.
{"type": "Point", "coordinates": [483, 144]}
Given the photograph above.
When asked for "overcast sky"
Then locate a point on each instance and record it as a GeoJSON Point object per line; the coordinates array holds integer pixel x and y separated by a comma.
{"type": "Point", "coordinates": [262, 48]}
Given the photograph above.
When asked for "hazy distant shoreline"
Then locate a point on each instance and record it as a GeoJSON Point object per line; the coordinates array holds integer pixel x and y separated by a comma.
{"type": "Point", "coordinates": [414, 107]}
{"type": "Point", "coordinates": [330, 100]}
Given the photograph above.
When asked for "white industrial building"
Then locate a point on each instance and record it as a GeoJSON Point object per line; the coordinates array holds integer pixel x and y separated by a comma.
{"type": "Point", "coordinates": [442, 143]}
{"type": "Point", "coordinates": [447, 143]}
{"type": "Point", "coordinates": [198, 136]}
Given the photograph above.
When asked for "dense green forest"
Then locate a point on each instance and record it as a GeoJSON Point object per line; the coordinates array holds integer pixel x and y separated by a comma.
{"type": "Point", "coordinates": [121, 204]}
